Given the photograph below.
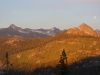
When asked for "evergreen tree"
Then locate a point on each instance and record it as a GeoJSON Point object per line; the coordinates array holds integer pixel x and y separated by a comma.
{"type": "Point", "coordinates": [63, 67]}
{"type": "Point", "coordinates": [7, 62]}
{"type": "Point", "coordinates": [7, 65]}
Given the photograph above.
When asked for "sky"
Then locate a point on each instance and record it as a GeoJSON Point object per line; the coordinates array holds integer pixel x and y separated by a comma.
{"type": "Point", "coordinates": [63, 14]}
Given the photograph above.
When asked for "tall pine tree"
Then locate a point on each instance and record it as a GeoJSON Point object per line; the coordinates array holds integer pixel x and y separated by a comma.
{"type": "Point", "coordinates": [7, 63]}
{"type": "Point", "coordinates": [63, 67]}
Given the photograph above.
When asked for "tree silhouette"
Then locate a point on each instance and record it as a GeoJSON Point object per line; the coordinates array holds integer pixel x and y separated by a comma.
{"type": "Point", "coordinates": [7, 61]}
{"type": "Point", "coordinates": [63, 67]}
{"type": "Point", "coordinates": [7, 71]}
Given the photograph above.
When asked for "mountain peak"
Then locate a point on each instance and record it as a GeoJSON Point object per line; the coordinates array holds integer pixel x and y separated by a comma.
{"type": "Point", "coordinates": [12, 26]}
{"type": "Point", "coordinates": [83, 24]}
{"type": "Point", "coordinates": [84, 27]}
{"type": "Point", "coordinates": [53, 28]}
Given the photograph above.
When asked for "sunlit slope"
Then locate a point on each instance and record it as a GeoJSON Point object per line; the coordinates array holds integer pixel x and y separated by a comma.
{"type": "Point", "coordinates": [76, 48]}
{"type": "Point", "coordinates": [77, 42]}
{"type": "Point", "coordinates": [15, 45]}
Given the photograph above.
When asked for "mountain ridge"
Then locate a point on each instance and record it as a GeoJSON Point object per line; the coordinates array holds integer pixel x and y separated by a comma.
{"type": "Point", "coordinates": [14, 31]}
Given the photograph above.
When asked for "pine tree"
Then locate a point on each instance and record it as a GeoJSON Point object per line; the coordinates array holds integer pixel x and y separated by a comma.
{"type": "Point", "coordinates": [7, 72]}
{"type": "Point", "coordinates": [7, 62]}
{"type": "Point", "coordinates": [63, 67]}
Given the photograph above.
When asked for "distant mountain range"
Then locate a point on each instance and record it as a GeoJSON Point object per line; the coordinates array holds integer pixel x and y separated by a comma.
{"type": "Point", "coordinates": [15, 31]}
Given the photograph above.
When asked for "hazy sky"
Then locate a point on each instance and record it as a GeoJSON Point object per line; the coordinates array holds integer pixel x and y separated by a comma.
{"type": "Point", "coordinates": [46, 14]}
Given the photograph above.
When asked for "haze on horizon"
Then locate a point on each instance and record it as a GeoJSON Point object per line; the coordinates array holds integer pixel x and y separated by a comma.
{"type": "Point", "coordinates": [46, 14]}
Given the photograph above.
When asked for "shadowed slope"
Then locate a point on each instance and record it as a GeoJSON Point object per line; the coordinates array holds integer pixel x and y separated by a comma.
{"type": "Point", "coordinates": [87, 66]}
